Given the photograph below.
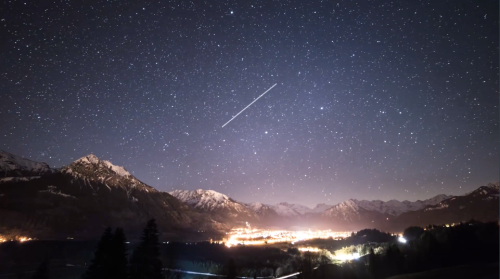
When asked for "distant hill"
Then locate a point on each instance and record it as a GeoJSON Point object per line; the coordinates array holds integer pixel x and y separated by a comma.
{"type": "Point", "coordinates": [481, 204]}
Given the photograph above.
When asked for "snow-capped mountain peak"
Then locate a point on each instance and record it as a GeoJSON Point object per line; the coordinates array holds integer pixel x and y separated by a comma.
{"type": "Point", "coordinates": [15, 166]}
{"type": "Point", "coordinates": [89, 159]}
{"type": "Point", "coordinates": [96, 162]}
{"type": "Point", "coordinates": [211, 201]}
{"type": "Point", "coordinates": [91, 169]}
{"type": "Point", "coordinates": [347, 210]}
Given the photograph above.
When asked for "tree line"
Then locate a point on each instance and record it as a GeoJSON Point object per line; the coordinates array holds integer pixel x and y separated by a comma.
{"type": "Point", "coordinates": [111, 259]}
{"type": "Point", "coordinates": [427, 248]}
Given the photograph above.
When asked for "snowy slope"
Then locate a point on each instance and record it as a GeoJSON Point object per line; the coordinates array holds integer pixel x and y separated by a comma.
{"type": "Point", "coordinates": [285, 211]}
{"type": "Point", "coordinates": [491, 187]}
{"type": "Point", "coordinates": [301, 209]}
{"type": "Point", "coordinates": [89, 194]}
{"type": "Point", "coordinates": [282, 209]}
{"type": "Point", "coordinates": [320, 207]}
{"type": "Point", "coordinates": [262, 210]}
{"type": "Point", "coordinates": [347, 210]}
{"type": "Point", "coordinates": [15, 166]}
{"type": "Point", "coordinates": [209, 200]}
{"type": "Point", "coordinates": [350, 208]}
{"type": "Point", "coordinates": [92, 160]}
{"type": "Point", "coordinates": [255, 206]}
{"type": "Point", "coordinates": [395, 208]}
{"type": "Point", "coordinates": [91, 169]}
{"type": "Point", "coordinates": [121, 171]}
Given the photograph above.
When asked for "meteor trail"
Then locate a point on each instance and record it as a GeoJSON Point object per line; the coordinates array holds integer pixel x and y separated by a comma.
{"type": "Point", "coordinates": [249, 105]}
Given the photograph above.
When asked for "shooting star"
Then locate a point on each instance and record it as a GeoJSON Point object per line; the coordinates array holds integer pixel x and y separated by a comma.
{"type": "Point", "coordinates": [249, 105]}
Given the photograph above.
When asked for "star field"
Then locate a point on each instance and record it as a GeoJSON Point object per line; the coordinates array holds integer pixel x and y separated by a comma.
{"type": "Point", "coordinates": [374, 99]}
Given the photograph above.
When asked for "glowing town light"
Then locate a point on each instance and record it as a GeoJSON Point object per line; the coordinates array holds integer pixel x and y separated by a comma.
{"type": "Point", "coordinates": [402, 239]}
{"type": "Point", "coordinates": [309, 249]}
{"type": "Point", "coordinates": [346, 257]}
{"type": "Point", "coordinates": [243, 236]}
{"type": "Point", "coordinates": [16, 238]}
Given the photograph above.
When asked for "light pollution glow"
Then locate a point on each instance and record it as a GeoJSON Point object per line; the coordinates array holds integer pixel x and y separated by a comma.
{"type": "Point", "coordinates": [249, 236]}
{"type": "Point", "coordinates": [17, 238]}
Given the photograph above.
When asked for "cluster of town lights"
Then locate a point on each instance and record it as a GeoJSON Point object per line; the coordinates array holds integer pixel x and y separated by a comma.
{"type": "Point", "coordinates": [17, 238]}
{"type": "Point", "coordinates": [252, 236]}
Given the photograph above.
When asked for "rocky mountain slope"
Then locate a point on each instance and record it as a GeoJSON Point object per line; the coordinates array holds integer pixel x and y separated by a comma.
{"type": "Point", "coordinates": [83, 198]}
{"type": "Point", "coordinates": [14, 166]}
{"type": "Point", "coordinates": [481, 204]}
{"type": "Point", "coordinates": [352, 209]}
{"type": "Point", "coordinates": [219, 205]}
{"type": "Point", "coordinates": [211, 201]}
{"type": "Point", "coordinates": [350, 214]}
{"type": "Point", "coordinates": [262, 210]}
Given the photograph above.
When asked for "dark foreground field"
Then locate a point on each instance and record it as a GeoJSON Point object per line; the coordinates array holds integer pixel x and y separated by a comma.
{"type": "Point", "coordinates": [468, 250]}
{"type": "Point", "coordinates": [478, 271]}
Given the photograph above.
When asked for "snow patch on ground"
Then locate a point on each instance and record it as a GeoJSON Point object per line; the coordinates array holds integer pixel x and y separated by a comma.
{"type": "Point", "coordinates": [15, 179]}
{"type": "Point", "coordinates": [57, 193]}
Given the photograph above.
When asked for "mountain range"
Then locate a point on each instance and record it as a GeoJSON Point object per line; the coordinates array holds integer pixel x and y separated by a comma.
{"type": "Point", "coordinates": [209, 200]}
{"type": "Point", "coordinates": [89, 194]}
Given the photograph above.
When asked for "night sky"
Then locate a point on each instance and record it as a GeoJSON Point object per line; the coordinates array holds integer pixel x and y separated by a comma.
{"type": "Point", "coordinates": [374, 99]}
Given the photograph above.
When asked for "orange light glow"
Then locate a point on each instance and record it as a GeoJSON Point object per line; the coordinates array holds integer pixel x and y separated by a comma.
{"type": "Point", "coordinates": [252, 236]}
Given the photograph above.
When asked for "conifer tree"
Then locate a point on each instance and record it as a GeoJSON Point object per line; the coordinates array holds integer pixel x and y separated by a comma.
{"type": "Point", "coordinates": [372, 265]}
{"type": "Point", "coordinates": [117, 267]}
{"type": "Point", "coordinates": [306, 266]}
{"type": "Point", "coordinates": [98, 266]}
{"type": "Point", "coordinates": [43, 270]}
{"type": "Point", "coordinates": [145, 262]}
{"type": "Point", "coordinates": [231, 269]}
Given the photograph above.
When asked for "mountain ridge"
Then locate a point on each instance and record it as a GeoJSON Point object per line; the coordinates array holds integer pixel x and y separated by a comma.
{"type": "Point", "coordinates": [89, 194]}
{"type": "Point", "coordinates": [285, 209]}
{"type": "Point", "coordinates": [15, 166]}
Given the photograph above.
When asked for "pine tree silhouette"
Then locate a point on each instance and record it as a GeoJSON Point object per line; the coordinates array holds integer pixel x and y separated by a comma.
{"type": "Point", "coordinates": [99, 266]}
{"type": "Point", "coordinates": [145, 262]}
{"type": "Point", "coordinates": [117, 267]}
{"type": "Point", "coordinates": [231, 269]}
{"type": "Point", "coordinates": [372, 263]}
{"type": "Point", "coordinates": [43, 271]}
